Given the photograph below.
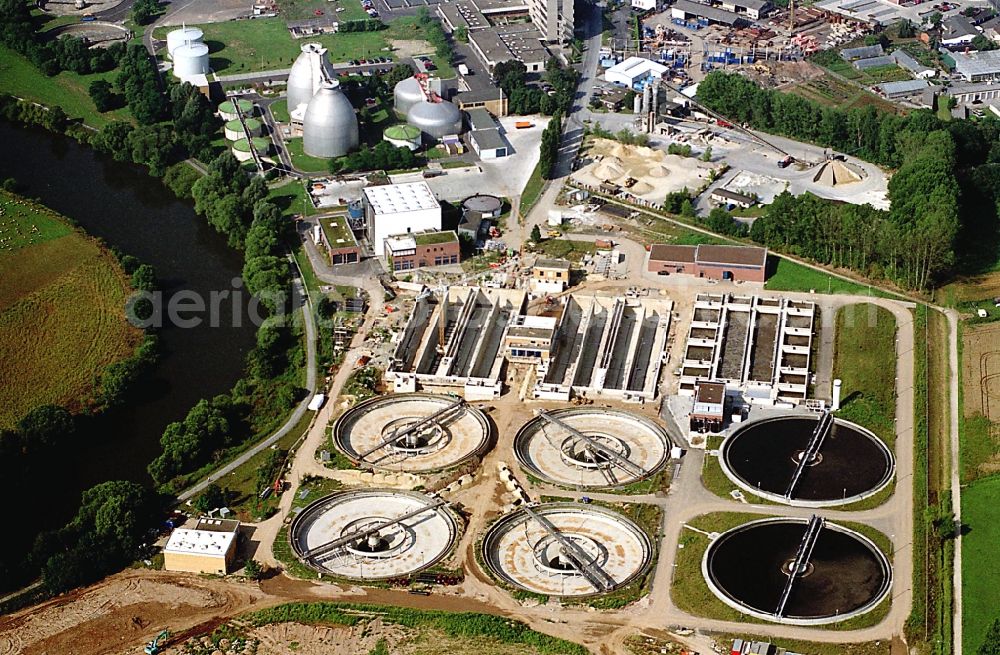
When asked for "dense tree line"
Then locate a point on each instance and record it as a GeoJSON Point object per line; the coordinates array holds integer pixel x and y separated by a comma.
{"type": "Point", "coordinates": [106, 534]}
{"type": "Point", "coordinates": [435, 35]}
{"type": "Point", "coordinates": [937, 194]}
{"type": "Point", "coordinates": [511, 76]}
{"type": "Point", "coordinates": [237, 206]}
{"type": "Point", "coordinates": [384, 156]}
{"type": "Point", "coordinates": [549, 147]}
{"type": "Point", "coordinates": [361, 25]}
{"type": "Point", "coordinates": [19, 32]}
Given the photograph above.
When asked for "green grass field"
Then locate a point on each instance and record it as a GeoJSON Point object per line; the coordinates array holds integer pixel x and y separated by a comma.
{"type": "Point", "coordinates": [304, 162]}
{"type": "Point", "coordinates": [265, 44]}
{"type": "Point", "coordinates": [279, 109]}
{"type": "Point", "coordinates": [980, 574]}
{"type": "Point", "coordinates": [865, 359]}
{"type": "Point", "coordinates": [61, 318]}
{"type": "Point", "coordinates": [18, 77]}
{"type": "Point", "coordinates": [792, 276]}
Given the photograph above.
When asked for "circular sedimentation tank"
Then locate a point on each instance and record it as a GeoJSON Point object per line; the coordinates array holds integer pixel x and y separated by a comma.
{"type": "Point", "coordinates": [241, 148]}
{"type": "Point", "coordinates": [234, 128]}
{"type": "Point", "coordinates": [554, 454]}
{"type": "Point", "coordinates": [482, 206]}
{"type": "Point", "coordinates": [357, 534]}
{"type": "Point", "coordinates": [522, 553]}
{"type": "Point", "coordinates": [748, 568]}
{"type": "Point", "coordinates": [413, 432]}
{"type": "Point", "coordinates": [761, 457]}
{"type": "Point", "coordinates": [227, 110]}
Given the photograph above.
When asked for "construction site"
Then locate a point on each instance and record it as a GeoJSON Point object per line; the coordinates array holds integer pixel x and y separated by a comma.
{"type": "Point", "coordinates": [757, 345]}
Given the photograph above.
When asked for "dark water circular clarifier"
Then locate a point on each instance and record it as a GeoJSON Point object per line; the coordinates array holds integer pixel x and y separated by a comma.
{"type": "Point", "coordinates": [852, 462]}
{"type": "Point", "coordinates": [750, 564]}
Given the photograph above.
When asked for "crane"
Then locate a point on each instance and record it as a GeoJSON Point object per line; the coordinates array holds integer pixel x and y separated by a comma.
{"type": "Point", "coordinates": [153, 647]}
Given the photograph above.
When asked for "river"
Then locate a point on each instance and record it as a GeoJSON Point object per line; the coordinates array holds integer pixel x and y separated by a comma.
{"type": "Point", "coordinates": [127, 208]}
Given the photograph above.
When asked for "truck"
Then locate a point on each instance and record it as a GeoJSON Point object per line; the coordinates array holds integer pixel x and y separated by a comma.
{"type": "Point", "coordinates": [786, 162]}
{"type": "Point", "coordinates": [604, 244]}
{"type": "Point", "coordinates": [523, 125]}
{"type": "Point", "coordinates": [463, 69]}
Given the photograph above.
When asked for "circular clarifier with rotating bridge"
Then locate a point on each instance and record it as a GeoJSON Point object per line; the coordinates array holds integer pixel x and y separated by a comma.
{"type": "Point", "coordinates": [373, 534]}
{"type": "Point", "coordinates": [413, 432]}
{"type": "Point", "coordinates": [566, 549]}
{"type": "Point", "coordinates": [749, 567]}
{"type": "Point", "coordinates": [617, 447]}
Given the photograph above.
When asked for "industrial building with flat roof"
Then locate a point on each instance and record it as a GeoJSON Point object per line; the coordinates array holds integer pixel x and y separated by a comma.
{"type": "Point", "coordinates": [634, 72]}
{"type": "Point", "coordinates": [406, 252]}
{"type": "Point", "coordinates": [334, 235]}
{"type": "Point", "coordinates": [210, 547]}
{"type": "Point", "coordinates": [550, 276]}
{"type": "Point", "coordinates": [759, 346]}
{"type": "Point", "coordinates": [687, 9]}
{"type": "Point", "coordinates": [977, 66]}
{"type": "Point", "coordinates": [519, 41]}
{"type": "Point", "coordinates": [736, 263]}
{"type": "Point", "coordinates": [396, 209]}
{"type": "Point", "coordinates": [903, 88]}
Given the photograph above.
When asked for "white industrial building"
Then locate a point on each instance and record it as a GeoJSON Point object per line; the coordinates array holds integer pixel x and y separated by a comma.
{"type": "Point", "coordinates": [397, 209]}
{"type": "Point", "coordinates": [977, 66]}
{"type": "Point", "coordinates": [210, 547]}
{"type": "Point", "coordinates": [634, 71]}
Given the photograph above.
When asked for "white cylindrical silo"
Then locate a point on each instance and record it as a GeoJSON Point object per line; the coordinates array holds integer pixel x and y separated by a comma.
{"type": "Point", "coordinates": [190, 59]}
{"type": "Point", "coordinates": [177, 38]}
{"type": "Point", "coordinates": [835, 404]}
{"type": "Point", "coordinates": [637, 104]}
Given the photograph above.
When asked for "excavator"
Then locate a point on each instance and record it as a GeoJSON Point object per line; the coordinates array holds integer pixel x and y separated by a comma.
{"type": "Point", "coordinates": [153, 647]}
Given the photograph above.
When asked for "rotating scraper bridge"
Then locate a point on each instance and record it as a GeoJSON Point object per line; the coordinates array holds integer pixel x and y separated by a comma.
{"type": "Point", "coordinates": [373, 534]}
{"type": "Point", "coordinates": [412, 432]}
{"type": "Point", "coordinates": [566, 549]}
{"type": "Point", "coordinates": [591, 447]}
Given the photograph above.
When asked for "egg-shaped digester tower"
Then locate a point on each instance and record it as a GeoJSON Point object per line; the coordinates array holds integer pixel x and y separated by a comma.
{"type": "Point", "coordinates": [310, 69]}
{"type": "Point", "coordinates": [406, 94]}
{"type": "Point", "coordinates": [435, 119]}
{"type": "Point", "coordinates": [330, 128]}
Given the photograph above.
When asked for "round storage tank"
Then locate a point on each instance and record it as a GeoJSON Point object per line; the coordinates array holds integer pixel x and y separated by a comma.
{"type": "Point", "coordinates": [402, 136]}
{"type": "Point", "coordinates": [234, 128]}
{"type": "Point", "coordinates": [482, 206]}
{"type": "Point", "coordinates": [191, 59]}
{"type": "Point", "coordinates": [241, 148]}
{"type": "Point", "coordinates": [435, 118]}
{"type": "Point", "coordinates": [177, 38]}
{"type": "Point", "coordinates": [227, 110]}
{"type": "Point", "coordinates": [406, 94]}
{"type": "Point", "coordinates": [330, 128]}
{"type": "Point", "coordinates": [306, 75]}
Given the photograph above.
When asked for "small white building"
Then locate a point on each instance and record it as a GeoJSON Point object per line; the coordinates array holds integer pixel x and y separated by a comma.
{"type": "Point", "coordinates": [634, 71]}
{"type": "Point", "coordinates": [399, 209]}
{"type": "Point", "coordinates": [644, 5]}
{"type": "Point", "coordinates": [208, 548]}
